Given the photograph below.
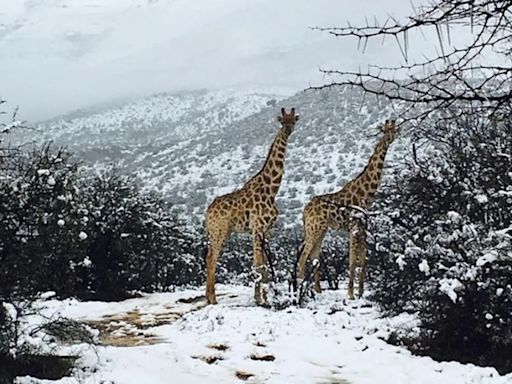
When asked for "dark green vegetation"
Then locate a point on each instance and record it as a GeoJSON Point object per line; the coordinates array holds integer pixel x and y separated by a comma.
{"type": "Point", "coordinates": [443, 241]}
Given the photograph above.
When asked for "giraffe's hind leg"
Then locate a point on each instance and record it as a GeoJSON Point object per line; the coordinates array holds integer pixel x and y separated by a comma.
{"type": "Point", "coordinates": [313, 237]}
{"type": "Point", "coordinates": [315, 256]}
{"type": "Point", "coordinates": [357, 253]}
{"type": "Point", "coordinates": [216, 239]}
{"type": "Point", "coordinates": [362, 259]}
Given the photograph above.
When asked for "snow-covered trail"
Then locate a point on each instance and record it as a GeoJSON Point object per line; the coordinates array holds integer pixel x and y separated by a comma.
{"type": "Point", "coordinates": [331, 341]}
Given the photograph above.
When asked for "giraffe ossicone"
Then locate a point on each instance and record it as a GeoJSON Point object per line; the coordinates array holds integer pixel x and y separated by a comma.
{"type": "Point", "coordinates": [250, 209]}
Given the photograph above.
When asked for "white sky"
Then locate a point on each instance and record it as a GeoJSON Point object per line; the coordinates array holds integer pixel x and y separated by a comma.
{"type": "Point", "coordinates": [60, 55]}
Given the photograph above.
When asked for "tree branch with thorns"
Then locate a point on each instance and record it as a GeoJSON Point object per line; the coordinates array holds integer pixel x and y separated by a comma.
{"type": "Point", "coordinates": [477, 73]}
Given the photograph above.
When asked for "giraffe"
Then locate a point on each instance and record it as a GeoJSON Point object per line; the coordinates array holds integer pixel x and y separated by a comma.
{"type": "Point", "coordinates": [336, 211]}
{"type": "Point", "coordinates": [250, 209]}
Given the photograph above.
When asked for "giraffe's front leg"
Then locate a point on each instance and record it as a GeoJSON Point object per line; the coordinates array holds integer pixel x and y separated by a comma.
{"type": "Point", "coordinates": [216, 240]}
{"type": "Point", "coordinates": [260, 267]}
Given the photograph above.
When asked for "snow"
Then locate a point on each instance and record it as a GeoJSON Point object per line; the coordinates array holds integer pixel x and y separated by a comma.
{"type": "Point", "coordinates": [481, 198]}
{"type": "Point", "coordinates": [47, 295]}
{"type": "Point", "coordinates": [401, 262]}
{"type": "Point", "coordinates": [43, 172]}
{"type": "Point", "coordinates": [332, 340]}
{"type": "Point", "coordinates": [86, 262]}
{"type": "Point", "coordinates": [454, 216]}
{"type": "Point", "coordinates": [61, 223]}
{"type": "Point", "coordinates": [423, 267]}
{"type": "Point", "coordinates": [487, 258]}
{"type": "Point", "coordinates": [82, 235]}
{"type": "Point", "coordinates": [450, 286]}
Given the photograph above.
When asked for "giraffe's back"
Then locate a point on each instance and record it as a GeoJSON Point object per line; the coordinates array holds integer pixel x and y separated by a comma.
{"type": "Point", "coordinates": [234, 210]}
{"type": "Point", "coordinates": [323, 211]}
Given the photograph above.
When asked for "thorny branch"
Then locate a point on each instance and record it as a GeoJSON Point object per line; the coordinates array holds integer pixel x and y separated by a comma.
{"type": "Point", "coordinates": [478, 73]}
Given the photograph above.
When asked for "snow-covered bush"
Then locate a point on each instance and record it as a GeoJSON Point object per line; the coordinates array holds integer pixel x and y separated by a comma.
{"type": "Point", "coordinates": [80, 234]}
{"type": "Point", "coordinates": [39, 203]}
{"type": "Point", "coordinates": [443, 241]}
{"type": "Point", "coordinates": [134, 241]}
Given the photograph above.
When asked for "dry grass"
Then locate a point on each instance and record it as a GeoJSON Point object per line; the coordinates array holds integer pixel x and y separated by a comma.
{"type": "Point", "coordinates": [209, 359]}
{"type": "Point", "coordinates": [219, 347]}
{"type": "Point", "coordinates": [191, 300]}
{"type": "Point", "coordinates": [259, 357]}
{"type": "Point", "coordinates": [242, 375]}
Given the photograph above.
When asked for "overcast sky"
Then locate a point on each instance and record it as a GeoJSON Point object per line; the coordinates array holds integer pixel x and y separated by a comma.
{"type": "Point", "coordinates": [61, 55]}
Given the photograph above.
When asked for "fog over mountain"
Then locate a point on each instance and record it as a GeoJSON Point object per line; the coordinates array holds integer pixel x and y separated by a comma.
{"type": "Point", "coordinates": [57, 56]}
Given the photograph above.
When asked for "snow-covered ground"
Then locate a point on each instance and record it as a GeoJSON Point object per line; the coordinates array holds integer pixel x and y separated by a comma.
{"type": "Point", "coordinates": [181, 340]}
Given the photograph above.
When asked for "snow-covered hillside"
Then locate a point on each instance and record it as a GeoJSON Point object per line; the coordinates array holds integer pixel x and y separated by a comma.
{"type": "Point", "coordinates": [175, 337]}
{"type": "Point", "coordinates": [194, 146]}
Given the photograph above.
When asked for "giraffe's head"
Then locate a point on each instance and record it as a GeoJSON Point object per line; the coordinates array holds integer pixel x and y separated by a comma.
{"type": "Point", "coordinates": [389, 129]}
{"type": "Point", "coordinates": [288, 120]}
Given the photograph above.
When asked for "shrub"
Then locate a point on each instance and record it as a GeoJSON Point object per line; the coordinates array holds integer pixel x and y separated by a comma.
{"type": "Point", "coordinates": [444, 241]}
{"type": "Point", "coordinates": [97, 236]}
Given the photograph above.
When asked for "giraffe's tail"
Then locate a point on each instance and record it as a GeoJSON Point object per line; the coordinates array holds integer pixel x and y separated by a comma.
{"type": "Point", "coordinates": [205, 241]}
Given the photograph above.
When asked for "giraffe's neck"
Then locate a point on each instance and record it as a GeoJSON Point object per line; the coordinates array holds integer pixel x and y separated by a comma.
{"type": "Point", "coordinates": [273, 170]}
{"type": "Point", "coordinates": [364, 186]}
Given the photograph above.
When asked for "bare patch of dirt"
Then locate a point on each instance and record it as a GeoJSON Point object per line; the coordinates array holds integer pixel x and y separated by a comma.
{"type": "Point", "coordinates": [130, 329]}
{"type": "Point", "coordinates": [191, 300]}
{"type": "Point", "coordinates": [124, 330]}
{"type": "Point", "coordinates": [209, 359]}
{"type": "Point", "coordinates": [259, 357]}
{"type": "Point", "coordinates": [242, 375]}
{"type": "Point", "coordinates": [219, 347]}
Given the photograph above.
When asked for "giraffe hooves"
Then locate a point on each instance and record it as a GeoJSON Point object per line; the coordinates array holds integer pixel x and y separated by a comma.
{"type": "Point", "coordinates": [263, 304]}
{"type": "Point", "coordinates": [211, 299]}
{"type": "Point", "coordinates": [351, 295]}
{"type": "Point", "coordinates": [260, 297]}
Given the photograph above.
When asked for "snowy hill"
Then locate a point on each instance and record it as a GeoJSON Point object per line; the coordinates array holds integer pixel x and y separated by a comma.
{"type": "Point", "coordinates": [194, 146]}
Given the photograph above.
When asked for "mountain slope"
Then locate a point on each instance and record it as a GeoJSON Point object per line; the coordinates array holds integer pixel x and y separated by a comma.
{"type": "Point", "coordinates": [194, 146]}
